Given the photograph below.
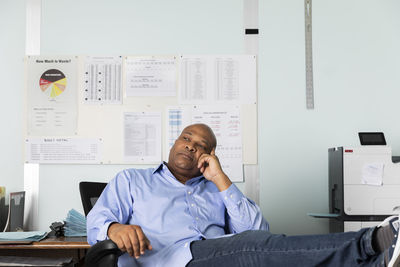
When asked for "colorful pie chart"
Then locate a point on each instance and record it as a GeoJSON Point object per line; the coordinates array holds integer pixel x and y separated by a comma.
{"type": "Point", "coordinates": [53, 82]}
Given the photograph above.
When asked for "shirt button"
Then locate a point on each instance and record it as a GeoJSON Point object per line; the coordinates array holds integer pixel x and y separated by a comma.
{"type": "Point", "coordinates": [197, 218]}
{"type": "Point", "coordinates": [226, 197]}
{"type": "Point", "coordinates": [231, 196]}
{"type": "Point", "coordinates": [192, 205]}
{"type": "Point", "coordinates": [190, 192]}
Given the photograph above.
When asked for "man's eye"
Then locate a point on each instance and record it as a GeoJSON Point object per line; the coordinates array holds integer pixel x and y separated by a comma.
{"type": "Point", "coordinates": [185, 138]}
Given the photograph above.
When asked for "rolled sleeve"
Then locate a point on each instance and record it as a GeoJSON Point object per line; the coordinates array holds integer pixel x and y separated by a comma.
{"type": "Point", "coordinates": [102, 235]}
{"type": "Point", "coordinates": [243, 213]}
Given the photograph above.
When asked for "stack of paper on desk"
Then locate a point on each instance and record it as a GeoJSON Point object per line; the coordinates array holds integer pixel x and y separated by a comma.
{"type": "Point", "coordinates": [21, 237]}
{"type": "Point", "coordinates": [75, 224]}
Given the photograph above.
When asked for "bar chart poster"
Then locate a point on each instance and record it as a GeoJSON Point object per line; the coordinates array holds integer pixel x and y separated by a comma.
{"type": "Point", "coordinates": [52, 88]}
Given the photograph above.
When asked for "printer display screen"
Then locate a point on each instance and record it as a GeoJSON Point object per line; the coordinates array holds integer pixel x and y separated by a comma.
{"type": "Point", "coordinates": [373, 138]}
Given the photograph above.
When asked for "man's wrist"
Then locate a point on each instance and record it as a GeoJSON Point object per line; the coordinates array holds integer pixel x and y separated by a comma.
{"type": "Point", "coordinates": [222, 182]}
{"type": "Point", "coordinates": [110, 226]}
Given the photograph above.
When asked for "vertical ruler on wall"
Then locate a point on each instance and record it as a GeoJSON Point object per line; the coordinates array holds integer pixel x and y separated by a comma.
{"type": "Point", "coordinates": [309, 60]}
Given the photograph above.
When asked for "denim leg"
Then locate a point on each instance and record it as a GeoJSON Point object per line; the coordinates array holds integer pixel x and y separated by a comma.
{"type": "Point", "coordinates": [261, 248]}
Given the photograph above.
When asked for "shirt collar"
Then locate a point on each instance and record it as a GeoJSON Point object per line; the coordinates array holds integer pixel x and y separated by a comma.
{"type": "Point", "coordinates": [159, 167]}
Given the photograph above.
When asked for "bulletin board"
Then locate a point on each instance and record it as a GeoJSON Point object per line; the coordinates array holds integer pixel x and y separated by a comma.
{"type": "Point", "coordinates": [100, 124]}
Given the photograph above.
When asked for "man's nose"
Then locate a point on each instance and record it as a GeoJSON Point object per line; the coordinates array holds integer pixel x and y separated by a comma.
{"type": "Point", "coordinates": [190, 148]}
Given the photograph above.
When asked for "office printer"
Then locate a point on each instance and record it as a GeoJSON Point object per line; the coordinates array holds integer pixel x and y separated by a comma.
{"type": "Point", "coordinates": [364, 183]}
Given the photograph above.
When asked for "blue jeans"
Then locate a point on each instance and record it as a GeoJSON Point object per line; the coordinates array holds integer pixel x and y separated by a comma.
{"type": "Point", "coordinates": [261, 248]}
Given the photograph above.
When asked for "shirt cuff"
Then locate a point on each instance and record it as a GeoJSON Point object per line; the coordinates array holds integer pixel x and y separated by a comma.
{"type": "Point", "coordinates": [231, 196]}
{"type": "Point", "coordinates": [102, 235]}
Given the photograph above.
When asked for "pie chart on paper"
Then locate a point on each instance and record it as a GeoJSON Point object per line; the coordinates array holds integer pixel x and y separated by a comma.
{"type": "Point", "coordinates": [53, 82]}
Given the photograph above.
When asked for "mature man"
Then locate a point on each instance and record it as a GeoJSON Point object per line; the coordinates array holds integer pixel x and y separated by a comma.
{"type": "Point", "coordinates": [178, 214]}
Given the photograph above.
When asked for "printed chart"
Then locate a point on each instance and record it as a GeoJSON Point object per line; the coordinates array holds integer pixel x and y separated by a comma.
{"type": "Point", "coordinates": [53, 82]}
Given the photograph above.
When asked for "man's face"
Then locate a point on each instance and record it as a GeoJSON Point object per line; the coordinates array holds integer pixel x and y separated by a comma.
{"type": "Point", "coordinates": [194, 141]}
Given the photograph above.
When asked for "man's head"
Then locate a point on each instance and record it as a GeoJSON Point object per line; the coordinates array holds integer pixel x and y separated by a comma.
{"type": "Point", "coordinates": [195, 140]}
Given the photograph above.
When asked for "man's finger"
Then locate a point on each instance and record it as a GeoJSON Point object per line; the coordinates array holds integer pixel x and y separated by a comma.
{"type": "Point", "coordinates": [148, 245]}
{"type": "Point", "coordinates": [147, 241]}
{"type": "Point", "coordinates": [201, 161]}
{"type": "Point", "coordinates": [135, 244]}
{"type": "Point", "coordinates": [143, 241]}
{"type": "Point", "coordinates": [127, 245]}
{"type": "Point", "coordinates": [202, 156]}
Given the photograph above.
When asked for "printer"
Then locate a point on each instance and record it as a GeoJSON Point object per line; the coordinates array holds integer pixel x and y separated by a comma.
{"type": "Point", "coordinates": [364, 184]}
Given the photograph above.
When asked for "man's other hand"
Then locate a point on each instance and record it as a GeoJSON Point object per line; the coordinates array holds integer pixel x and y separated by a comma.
{"type": "Point", "coordinates": [129, 238]}
{"type": "Point", "coordinates": [211, 169]}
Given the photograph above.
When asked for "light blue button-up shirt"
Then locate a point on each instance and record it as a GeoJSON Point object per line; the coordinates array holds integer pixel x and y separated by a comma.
{"type": "Point", "coordinates": [171, 214]}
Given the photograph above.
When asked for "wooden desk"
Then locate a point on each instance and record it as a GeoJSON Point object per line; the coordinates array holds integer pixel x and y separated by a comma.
{"type": "Point", "coordinates": [54, 247]}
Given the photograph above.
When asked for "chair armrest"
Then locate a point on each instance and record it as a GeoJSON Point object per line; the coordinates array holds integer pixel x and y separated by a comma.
{"type": "Point", "coordinates": [104, 253]}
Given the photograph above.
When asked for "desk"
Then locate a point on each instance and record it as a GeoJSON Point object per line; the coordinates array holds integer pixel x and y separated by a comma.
{"type": "Point", "coordinates": [54, 247]}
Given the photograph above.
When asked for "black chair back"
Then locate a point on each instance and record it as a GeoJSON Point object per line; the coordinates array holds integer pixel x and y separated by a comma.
{"type": "Point", "coordinates": [90, 192]}
{"type": "Point", "coordinates": [106, 252]}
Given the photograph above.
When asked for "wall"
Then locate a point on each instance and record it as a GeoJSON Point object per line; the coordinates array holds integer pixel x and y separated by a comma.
{"type": "Point", "coordinates": [356, 62]}
{"type": "Point", "coordinates": [356, 65]}
{"type": "Point", "coordinates": [12, 51]}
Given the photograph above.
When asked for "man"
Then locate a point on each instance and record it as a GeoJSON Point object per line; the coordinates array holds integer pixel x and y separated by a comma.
{"type": "Point", "coordinates": [179, 213]}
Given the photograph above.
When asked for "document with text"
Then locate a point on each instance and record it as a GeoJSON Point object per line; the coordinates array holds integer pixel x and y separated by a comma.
{"type": "Point", "coordinates": [63, 150]}
{"type": "Point", "coordinates": [142, 137]}
{"type": "Point", "coordinates": [102, 83]}
{"type": "Point", "coordinates": [52, 87]}
{"type": "Point", "coordinates": [177, 119]}
{"type": "Point", "coordinates": [151, 76]}
{"type": "Point", "coordinates": [218, 79]}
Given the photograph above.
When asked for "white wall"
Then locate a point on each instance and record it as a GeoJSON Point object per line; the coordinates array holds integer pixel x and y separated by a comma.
{"type": "Point", "coordinates": [12, 51]}
{"type": "Point", "coordinates": [356, 80]}
{"type": "Point", "coordinates": [356, 68]}
{"type": "Point", "coordinates": [141, 27]}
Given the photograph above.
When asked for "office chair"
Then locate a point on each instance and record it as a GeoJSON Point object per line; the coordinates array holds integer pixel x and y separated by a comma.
{"type": "Point", "coordinates": [90, 192]}
{"type": "Point", "coordinates": [104, 253]}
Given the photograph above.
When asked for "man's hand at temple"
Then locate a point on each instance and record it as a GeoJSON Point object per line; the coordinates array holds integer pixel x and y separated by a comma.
{"type": "Point", "coordinates": [211, 169]}
{"type": "Point", "coordinates": [129, 238]}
